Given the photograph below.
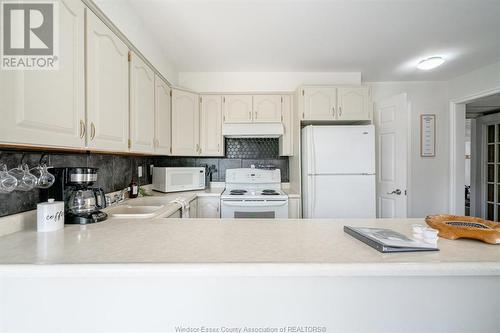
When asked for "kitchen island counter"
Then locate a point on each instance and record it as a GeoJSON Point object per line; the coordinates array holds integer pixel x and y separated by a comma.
{"type": "Point", "coordinates": [161, 275]}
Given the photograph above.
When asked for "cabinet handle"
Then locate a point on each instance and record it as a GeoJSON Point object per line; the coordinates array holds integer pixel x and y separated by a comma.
{"type": "Point", "coordinates": [250, 114]}
{"type": "Point", "coordinates": [82, 129]}
{"type": "Point", "coordinates": [333, 111]}
{"type": "Point", "coordinates": [340, 111]}
{"type": "Point", "coordinates": [92, 131]}
{"type": "Point", "coordinates": [218, 147]}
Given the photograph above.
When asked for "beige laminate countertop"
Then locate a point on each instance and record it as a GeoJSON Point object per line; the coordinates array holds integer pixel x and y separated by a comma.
{"type": "Point", "coordinates": [286, 244]}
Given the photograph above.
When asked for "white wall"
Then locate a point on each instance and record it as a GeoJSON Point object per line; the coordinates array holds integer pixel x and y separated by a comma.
{"type": "Point", "coordinates": [481, 80]}
{"type": "Point", "coordinates": [261, 81]}
{"type": "Point", "coordinates": [125, 19]}
{"type": "Point", "coordinates": [429, 179]}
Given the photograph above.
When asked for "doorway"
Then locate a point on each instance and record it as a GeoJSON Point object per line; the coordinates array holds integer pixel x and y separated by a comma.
{"type": "Point", "coordinates": [475, 157]}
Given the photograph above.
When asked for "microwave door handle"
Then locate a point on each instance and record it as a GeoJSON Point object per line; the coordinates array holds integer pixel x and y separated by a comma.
{"type": "Point", "coordinates": [254, 204]}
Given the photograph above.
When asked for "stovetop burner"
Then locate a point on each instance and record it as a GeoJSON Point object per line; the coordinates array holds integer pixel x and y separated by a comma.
{"type": "Point", "coordinates": [269, 192]}
{"type": "Point", "coordinates": [237, 192]}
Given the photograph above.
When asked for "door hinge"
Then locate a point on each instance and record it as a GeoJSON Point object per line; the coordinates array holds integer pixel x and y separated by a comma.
{"type": "Point", "coordinates": [200, 99]}
{"type": "Point", "coordinates": [406, 192]}
{"type": "Point", "coordinates": [224, 118]}
{"type": "Point", "coordinates": [281, 99]}
{"type": "Point", "coordinates": [302, 92]}
{"type": "Point", "coordinates": [129, 143]}
{"type": "Point", "coordinates": [170, 92]}
{"type": "Point", "coordinates": [170, 150]}
{"type": "Point", "coordinates": [223, 99]}
{"type": "Point", "coordinates": [129, 56]}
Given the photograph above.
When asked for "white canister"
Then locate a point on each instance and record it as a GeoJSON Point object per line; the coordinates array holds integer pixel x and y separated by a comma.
{"type": "Point", "coordinates": [50, 216]}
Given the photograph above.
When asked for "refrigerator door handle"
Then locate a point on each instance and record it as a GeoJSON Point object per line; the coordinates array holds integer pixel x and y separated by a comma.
{"type": "Point", "coordinates": [313, 197]}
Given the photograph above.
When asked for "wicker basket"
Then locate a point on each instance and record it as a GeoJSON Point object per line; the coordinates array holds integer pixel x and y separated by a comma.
{"type": "Point", "coordinates": [454, 227]}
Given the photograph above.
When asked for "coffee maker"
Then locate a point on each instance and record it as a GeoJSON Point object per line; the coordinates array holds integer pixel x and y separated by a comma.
{"type": "Point", "coordinates": [82, 202]}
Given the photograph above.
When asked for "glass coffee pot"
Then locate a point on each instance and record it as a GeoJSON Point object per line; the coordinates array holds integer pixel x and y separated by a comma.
{"type": "Point", "coordinates": [86, 201]}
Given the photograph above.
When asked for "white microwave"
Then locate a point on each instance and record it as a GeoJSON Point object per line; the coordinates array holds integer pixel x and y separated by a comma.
{"type": "Point", "coordinates": [178, 179]}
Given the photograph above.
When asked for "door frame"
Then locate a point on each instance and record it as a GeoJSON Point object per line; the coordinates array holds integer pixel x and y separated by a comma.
{"type": "Point", "coordinates": [457, 148]}
{"type": "Point", "coordinates": [409, 208]}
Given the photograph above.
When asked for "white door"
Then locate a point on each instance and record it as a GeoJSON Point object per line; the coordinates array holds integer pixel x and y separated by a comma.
{"type": "Point", "coordinates": [211, 140]}
{"type": "Point", "coordinates": [142, 106]}
{"type": "Point", "coordinates": [319, 103]}
{"type": "Point", "coordinates": [47, 108]}
{"type": "Point", "coordinates": [185, 123]}
{"type": "Point", "coordinates": [391, 121]}
{"type": "Point", "coordinates": [237, 108]}
{"type": "Point", "coordinates": [286, 140]}
{"type": "Point", "coordinates": [267, 108]}
{"type": "Point", "coordinates": [107, 87]}
{"type": "Point", "coordinates": [340, 196]}
{"type": "Point", "coordinates": [353, 103]}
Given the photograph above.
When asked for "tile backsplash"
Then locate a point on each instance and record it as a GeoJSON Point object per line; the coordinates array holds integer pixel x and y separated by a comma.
{"type": "Point", "coordinates": [116, 171]}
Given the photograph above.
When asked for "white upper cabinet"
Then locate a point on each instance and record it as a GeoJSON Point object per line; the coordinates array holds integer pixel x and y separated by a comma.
{"type": "Point", "coordinates": [185, 123]}
{"type": "Point", "coordinates": [142, 106]}
{"type": "Point", "coordinates": [342, 103]}
{"type": "Point", "coordinates": [237, 108]}
{"type": "Point", "coordinates": [163, 114]}
{"type": "Point", "coordinates": [286, 140]}
{"type": "Point", "coordinates": [211, 140]}
{"type": "Point", "coordinates": [267, 108]}
{"type": "Point", "coordinates": [354, 104]}
{"type": "Point", "coordinates": [107, 87]}
{"type": "Point", "coordinates": [47, 107]}
{"type": "Point", "coordinates": [319, 103]}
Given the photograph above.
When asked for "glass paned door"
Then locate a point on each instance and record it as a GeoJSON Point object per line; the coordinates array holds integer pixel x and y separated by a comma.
{"type": "Point", "coordinates": [492, 170]}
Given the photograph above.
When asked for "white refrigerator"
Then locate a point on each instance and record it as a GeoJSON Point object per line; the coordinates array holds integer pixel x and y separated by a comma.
{"type": "Point", "coordinates": [338, 171]}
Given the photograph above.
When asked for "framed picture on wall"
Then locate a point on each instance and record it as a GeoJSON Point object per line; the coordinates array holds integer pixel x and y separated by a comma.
{"type": "Point", "coordinates": [428, 135]}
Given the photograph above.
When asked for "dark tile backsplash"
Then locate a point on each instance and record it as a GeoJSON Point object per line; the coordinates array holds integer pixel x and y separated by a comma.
{"type": "Point", "coordinates": [116, 172]}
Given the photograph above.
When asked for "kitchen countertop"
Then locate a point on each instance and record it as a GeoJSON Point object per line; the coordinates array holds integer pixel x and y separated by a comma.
{"type": "Point", "coordinates": [272, 246]}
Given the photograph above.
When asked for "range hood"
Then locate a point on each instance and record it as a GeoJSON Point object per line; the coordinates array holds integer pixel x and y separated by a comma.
{"type": "Point", "coordinates": [253, 130]}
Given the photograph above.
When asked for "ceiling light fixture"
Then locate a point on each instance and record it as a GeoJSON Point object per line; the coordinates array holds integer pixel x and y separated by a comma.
{"type": "Point", "coordinates": [430, 63]}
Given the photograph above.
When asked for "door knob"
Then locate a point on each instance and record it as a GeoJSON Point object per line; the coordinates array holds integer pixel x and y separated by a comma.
{"type": "Point", "coordinates": [396, 191]}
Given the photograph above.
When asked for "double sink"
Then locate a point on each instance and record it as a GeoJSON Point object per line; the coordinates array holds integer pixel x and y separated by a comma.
{"type": "Point", "coordinates": [145, 207]}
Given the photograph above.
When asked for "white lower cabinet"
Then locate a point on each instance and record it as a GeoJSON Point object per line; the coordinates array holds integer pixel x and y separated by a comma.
{"type": "Point", "coordinates": [185, 123]}
{"type": "Point", "coordinates": [107, 87]}
{"type": "Point", "coordinates": [294, 208]}
{"type": "Point", "coordinates": [142, 106]}
{"type": "Point", "coordinates": [193, 208]}
{"type": "Point", "coordinates": [209, 207]}
{"type": "Point", "coordinates": [47, 107]}
{"type": "Point", "coordinates": [163, 113]}
{"type": "Point", "coordinates": [211, 140]}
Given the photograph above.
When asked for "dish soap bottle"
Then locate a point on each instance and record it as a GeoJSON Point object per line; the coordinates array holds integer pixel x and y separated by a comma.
{"type": "Point", "coordinates": [133, 189]}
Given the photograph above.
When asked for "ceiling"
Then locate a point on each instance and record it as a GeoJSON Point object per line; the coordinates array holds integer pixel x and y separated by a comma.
{"type": "Point", "coordinates": [382, 39]}
{"type": "Point", "coordinates": [484, 105]}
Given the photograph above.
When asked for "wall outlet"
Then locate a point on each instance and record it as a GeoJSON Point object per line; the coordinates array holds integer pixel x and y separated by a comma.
{"type": "Point", "coordinates": [139, 171]}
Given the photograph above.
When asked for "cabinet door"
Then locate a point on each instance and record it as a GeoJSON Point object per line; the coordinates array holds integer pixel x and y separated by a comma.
{"type": "Point", "coordinates": [211, 141]}
{"type": "Point", "coordinates": [142, 106]}
{"type": "Point", "coordinates": [354, 104]}
{"type": "Point", "coordinates": [47, 107]}
{"type": "Point", "coordinates": [319, 103]}
{"type": "Point", "coordinates": [286, 140]}
{"type": "Point", "coordinates": [107, 87]}
{"type": "Point", "coordinates": [209, 207]}
{"type": "Point", "coordinates": [294, 208]}
{"type": "Point", "coordinates": [237, 108]}
{"type": "Point", "coordinates": [162, 117]}
{"type": "Point", "coordinates": [193, 208]}
{"type": "Point", "coordinates": [267, 108]}
{"type": "Point", "coordinates": [185, 123]}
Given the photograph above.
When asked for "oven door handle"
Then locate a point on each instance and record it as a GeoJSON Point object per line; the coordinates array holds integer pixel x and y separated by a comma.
{"type": "Point", "coordinates": [254, 203]}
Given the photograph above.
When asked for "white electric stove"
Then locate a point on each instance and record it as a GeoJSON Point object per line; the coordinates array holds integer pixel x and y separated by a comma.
{"type": "Point", "coordinates": [253, 193]}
